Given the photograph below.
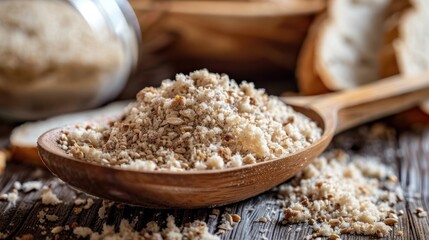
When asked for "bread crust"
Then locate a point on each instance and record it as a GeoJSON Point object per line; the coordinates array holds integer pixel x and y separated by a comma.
{"type": "Point", "coordinates": [309, 81]}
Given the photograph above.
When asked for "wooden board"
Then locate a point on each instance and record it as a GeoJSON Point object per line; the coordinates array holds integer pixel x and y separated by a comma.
{"type": "Point", "coordinates": [407, 153]}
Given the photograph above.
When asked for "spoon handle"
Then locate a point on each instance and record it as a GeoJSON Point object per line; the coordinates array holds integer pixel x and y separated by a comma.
{"type": "Point", "coordinates": [375, 100]}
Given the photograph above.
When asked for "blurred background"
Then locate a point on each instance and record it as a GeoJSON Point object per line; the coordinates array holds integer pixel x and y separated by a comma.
{"type": "Point", "coordinates": [59, 57]}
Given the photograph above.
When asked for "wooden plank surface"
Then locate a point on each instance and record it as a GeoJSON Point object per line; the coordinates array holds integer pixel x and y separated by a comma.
{"type": "Point", "coordinates": [407, 153]}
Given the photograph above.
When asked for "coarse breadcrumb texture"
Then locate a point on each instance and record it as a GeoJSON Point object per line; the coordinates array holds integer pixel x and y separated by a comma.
{"type": "Point", "coordinates": [49, 198]}
{"type": "Point", "coordinates": [339, 194]}
{"type": "Point", "coordinates": [196, 230]}
{"type": "Point", "coordinates": [201, 121]}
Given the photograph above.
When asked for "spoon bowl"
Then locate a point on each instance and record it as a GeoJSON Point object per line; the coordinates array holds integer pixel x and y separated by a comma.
{"type": "Point", "coordinates": [162, 189]}
{"type": "Point", "coordinates": [204, 188]}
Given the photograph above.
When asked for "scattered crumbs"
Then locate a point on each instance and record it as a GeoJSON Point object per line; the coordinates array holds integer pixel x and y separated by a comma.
{"type": "Point", "coordinates": [215, 213]}
{"type": "Point", "coordinates": [25, 237]}
{"type": "Point", "coordinates": [104, 206]}
{"type": "Point", "coordinates": [82, 231]}
{"type": "Point", "coordinates": [297, 229]}
{"type": "Point", "coordinates": [236, 218]}
{"type": "Point", "coordinates": [41, 215]}
{"type": "Point", "coordinates": [196, 230]}
{"type": "Point", "coordinates": [48, 197]}
{"type": "Point", "coordinates": [77, 210]}
{"type": "Point", "coordinates": [251, 209]}
{"type": "Point", "coordinates": [263, 219]}
{"type": "Point", "coordinates": [89, 203]}
{"type": "Point", "coordinates": [66, 227]}
{"type": "Point", "coordinates": [52, 217]}
{"type": "Point", "coordinates": [31, 186]}
{"type": "Point", "coordinates": [400, 233]}
{"type": "Point", "coordinates": [203, 121]}
{"type": "Point", "coordinates": [263, 230]}
{"type": "Point", "coordinates": [4, 235]}
{"type": "Point", "coordinates": [44, 233]}
{"type": "Point", "coordinates": [341, 194]}
{"type": "Point", "coordinates": [79, 201]}
{"type": "Point", "coordinates": [12, 197]}
{"type": "Point", "coordinates": [421, 213]}
{"type": "Point", "coordinates": [17, 185]}
{"type": "Point", "coordinates": [227, 222]}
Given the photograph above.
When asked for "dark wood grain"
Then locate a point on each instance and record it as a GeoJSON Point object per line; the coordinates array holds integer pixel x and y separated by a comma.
{"type": "Point", "coordinates": [407, 153]}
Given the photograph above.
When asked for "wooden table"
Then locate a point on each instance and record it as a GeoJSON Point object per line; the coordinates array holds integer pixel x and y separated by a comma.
{"type": "Point", "coordinates": [407, 153]}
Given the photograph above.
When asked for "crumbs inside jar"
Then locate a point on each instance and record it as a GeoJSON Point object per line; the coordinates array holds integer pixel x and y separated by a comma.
{"type": "Point", "coordinates": [51, 55]}
{"type": "Point", "coordinates": [195, 122]}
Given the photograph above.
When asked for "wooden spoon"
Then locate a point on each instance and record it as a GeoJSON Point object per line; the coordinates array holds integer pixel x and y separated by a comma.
{"type": "Point", "coordinates": [193, 189]}
{"type": "Point", "coordinates": [231, 8]}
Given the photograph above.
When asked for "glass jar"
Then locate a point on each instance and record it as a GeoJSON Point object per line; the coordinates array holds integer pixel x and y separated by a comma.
{"type": "Point", "coordinates": [63, 56]}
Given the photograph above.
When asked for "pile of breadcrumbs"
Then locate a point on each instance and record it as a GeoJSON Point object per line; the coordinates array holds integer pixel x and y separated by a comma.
{"type": "Point", "coordinates": [196, 230]}
{"type": "Point", "coordinates": [201, 121]}
{"type": "Point", "coordinates": [338, 194]}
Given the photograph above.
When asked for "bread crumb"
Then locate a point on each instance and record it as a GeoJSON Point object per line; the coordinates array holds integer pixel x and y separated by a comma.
{"type": "Point", "coordinates": [17, 185]}
{"type": "Point", "coordinates": [57, 229]}
{"type": "Point", "coordinates": [77, 210]}
{"type": "Point", "coordinates": [31, 185]}
{"type": "Point", "coordinates": [422, 214]}
{"type": "Point", "coordinates": [12, 197]}
{"type": "Point", "coordinates": [400, 233]}
{"type": "Point", "coordinates": [200, 121]}
{"type": "Point", "coordinates": [79, 201]}
{"type": "Point", "coordinates": [390, 221]}
{"type": "Point", "coordinates": [49, 198]}
{"type": "Point", "coordinates": [215, 213]}
{"type": "Point", "coordinates": [263, 219]}
{"type": "Point", "coordinates": [227, 222]}
{"type": "Point", "coordinates": [196, 230]}
{"type": "Point", "coordinates": [82, 232]}
{"type": "Point", "coordinates": [41, 215]}
{"type": "Point", "coordinates": [102, 210]}
{"type": "Point", "coordinates": [342, 194]}
{"type": "Point", "coordinates": [236, 218]}
{"type": "Point", "coordinates": [89, 203]}
{"type": "Point", "coordinates": [52, 217]}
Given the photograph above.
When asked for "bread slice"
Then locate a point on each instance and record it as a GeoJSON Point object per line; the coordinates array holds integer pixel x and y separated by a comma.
{"type": "Point", "coordinates": [23, 139]}
{"type": "Point", "coordinates": [411, 47]}
{"type": "Point", "coordinates": [346, 45]}
{"type": "Point", "coordinates": [346, 50]}
{"type": "Point", "coordinates": [309, 80]}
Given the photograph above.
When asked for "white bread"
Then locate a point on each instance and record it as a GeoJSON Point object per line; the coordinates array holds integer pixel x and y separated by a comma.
{"type": "Point", "coordinates": [346, 49]}
{"type": "Point", "coordinates": [411, 47]}
{"type": "Point", "coordinates": [23, 139]}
